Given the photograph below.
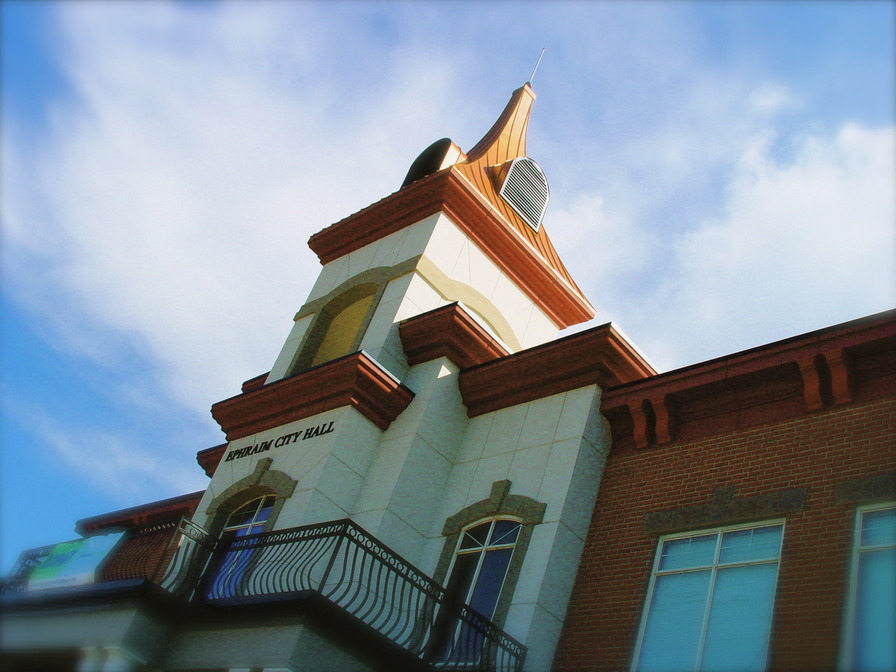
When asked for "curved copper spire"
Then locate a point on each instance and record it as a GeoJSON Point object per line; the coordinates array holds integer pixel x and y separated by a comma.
{"type": "Point", "coordinates": [466, 187]}
{"type": "Point", "coordinates": [485, 167]}
{"type": "Point", "coordinates": [506, 139]}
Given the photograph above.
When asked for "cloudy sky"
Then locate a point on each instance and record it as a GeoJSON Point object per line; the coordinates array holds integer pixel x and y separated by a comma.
{"type": "Point", "coordinates": [722, 176]}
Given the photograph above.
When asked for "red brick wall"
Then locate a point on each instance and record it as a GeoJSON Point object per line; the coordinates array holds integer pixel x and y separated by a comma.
{"type": "Point", "coordinates": [812, 451]}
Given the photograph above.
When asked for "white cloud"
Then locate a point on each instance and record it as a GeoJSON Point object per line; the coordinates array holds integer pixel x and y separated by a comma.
{"type": "Point", "coordinates": [184, 176]}
{"type": "Point", "coordinates": [607, 250]}
{"type": "Point", "coordinates": [801, 245]}
{"type": "Point", "coordinates": [165, 214]}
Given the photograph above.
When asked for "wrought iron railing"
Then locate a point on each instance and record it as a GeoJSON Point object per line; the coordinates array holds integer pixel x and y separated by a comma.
{"type": "Point", "coordinates": [337, 561]}
{"type": "Point", "coordinates": [186, 559]}
{"type": "Point", "coordinates": [357, 573]}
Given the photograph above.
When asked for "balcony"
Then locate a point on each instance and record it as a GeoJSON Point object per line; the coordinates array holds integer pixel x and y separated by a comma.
{"type": "Point", "coordinates": [336, 569]}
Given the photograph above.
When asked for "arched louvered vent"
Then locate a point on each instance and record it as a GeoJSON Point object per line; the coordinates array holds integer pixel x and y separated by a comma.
{"type": "Point", "coordinates": [525, 189]}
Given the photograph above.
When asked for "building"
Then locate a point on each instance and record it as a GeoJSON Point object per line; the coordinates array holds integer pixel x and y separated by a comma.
{"type": "Point", "coordinates": [755, 493]}
{"type": "Point", "coordinates": [429, 477]}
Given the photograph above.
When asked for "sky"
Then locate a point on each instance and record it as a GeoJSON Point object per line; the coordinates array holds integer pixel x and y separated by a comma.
{"type": "Point", "coordinates": [722, 176]}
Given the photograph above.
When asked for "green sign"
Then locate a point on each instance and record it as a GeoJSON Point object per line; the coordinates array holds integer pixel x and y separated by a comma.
{"type": "Point", "coordinates": [72, 563]}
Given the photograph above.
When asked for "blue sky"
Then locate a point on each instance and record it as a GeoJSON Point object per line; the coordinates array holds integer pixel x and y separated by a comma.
{"type": "Point", "coordinates": [721, 175]}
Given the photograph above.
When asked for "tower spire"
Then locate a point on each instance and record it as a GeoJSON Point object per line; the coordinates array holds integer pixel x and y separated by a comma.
{"type": "Point", "coordinates": [506, 139]}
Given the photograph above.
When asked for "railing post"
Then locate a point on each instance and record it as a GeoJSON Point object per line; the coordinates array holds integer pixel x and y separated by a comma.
{"type": "Point", "coordinates": [331, 562]}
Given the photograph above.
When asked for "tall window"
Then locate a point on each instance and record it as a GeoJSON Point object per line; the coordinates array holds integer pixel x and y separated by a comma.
{"type": "Point", "coordinates": [481, 562]}
{"type": "Point", "coordinates": [871, 621]}
{"type": "Point", "coordinates": [478, 572]}
{"type": "Point", "coordinates": [709, 606]}
{"type": "Point", "coordinates": [250, 518]}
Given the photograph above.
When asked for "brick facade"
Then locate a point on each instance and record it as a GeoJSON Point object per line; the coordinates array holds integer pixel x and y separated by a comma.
{"type": "Point", "coordinates": [811, 469]}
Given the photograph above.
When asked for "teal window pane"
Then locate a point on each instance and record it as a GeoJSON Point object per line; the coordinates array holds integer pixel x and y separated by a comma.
{"type": "Point", "coordinates": [879, 528]}
{"type": "Point", "coordinates": [758, 543]}
{"type": "Point", "coordinates": [875, 622]}
{"type": "Point", "coordinates": [672, 634]}
{"type": "Point", "coordinates": [690, 552]}
{"type": "Point", "coordinates": [740, 619]}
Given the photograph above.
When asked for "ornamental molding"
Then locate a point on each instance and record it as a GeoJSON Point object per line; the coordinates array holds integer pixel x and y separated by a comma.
{"type": "Point", "coordinates": [810, 373]}
{"type": "Point", "coordinates": [600, 356]}
{"type": "Point", "coordinates": [548, 284]}
{"type": "Point", "coordinates": [355, 380]}
{"type": "Point", "coordinates": [448, 332]}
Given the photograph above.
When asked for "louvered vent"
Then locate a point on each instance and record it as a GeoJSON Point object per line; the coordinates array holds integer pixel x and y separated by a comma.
{"type": "Point", "coordinates": [526, 190]}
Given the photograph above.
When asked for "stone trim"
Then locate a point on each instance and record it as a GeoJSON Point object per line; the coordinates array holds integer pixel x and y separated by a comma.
{"type": "Point", "coordinates": [349, 292]}
{"type": "Point", "coordinates": [455, 290]}
{"type": "Point", "coordinates": [262, 481]}
{"type": "Point", "coordinates": [866, 490]}
{"type": "Point", "coordinates": [499, 504]}
{"type": "Point", "coordinates": [379, 275]}
{"type": "Point", "coordinates": [726, 509]}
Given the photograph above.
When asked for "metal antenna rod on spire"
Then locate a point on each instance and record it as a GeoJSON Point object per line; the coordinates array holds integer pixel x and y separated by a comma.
{"type": "Point", "coordinates": [532, 76]}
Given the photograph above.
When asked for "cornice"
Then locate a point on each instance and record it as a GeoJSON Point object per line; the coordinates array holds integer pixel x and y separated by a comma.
{"type": "Point", "coordinates": [182, 505]}
{"type": "Point", "coordinates": [450, 193]}
{"type": "Point", "coordinates": [599, 356]}
{"type": "Point", "coordinates": [796, 376]}
{"type": "Point", "coordinates": [449, 332]}
{"type": "Point", "coordinates": [355, 380]}
{"type": "Point", "coordinates": [209, 458]}
{"type": "Point", "coordinates": [388, 215]}
{"type": "Point", "coordinates": [805, 347]}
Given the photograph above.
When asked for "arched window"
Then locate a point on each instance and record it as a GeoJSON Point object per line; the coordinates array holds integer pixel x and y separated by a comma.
{"type": "Point", "coordinates": [485, 544]}
{"type": "Point", "coordinates": [480, 564]}
{"type": "Point", "coordinates": [338, 327]}
{"type": "Point", "coordinates": [250, 518]}
{"type": "Point", "coordinates": [477, 576]}
{"type": "Point", "coordinates": [342, 331]}
{"type": "Point", "coordinates": [234, 565]}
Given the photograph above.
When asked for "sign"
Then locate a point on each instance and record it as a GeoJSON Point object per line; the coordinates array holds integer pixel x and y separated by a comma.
{"type": "Point", "coordinates": [282, 440]}
{"type": "Point", "coordinates": [72, 563]}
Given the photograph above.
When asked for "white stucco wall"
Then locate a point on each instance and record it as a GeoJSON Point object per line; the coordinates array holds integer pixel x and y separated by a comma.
{"type": "Point", "coordinates": [553, 450]}
{"type": "Point", "coordinates": [329, 468]}
{"type": "Point", "coordinates": [452, 268]}
{"type": "Point", "coordinates": [433, 461]}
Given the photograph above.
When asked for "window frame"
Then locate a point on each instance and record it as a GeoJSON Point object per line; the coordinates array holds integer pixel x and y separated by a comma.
{"type": "Point", "coordinates": [254, 522]}
{"type": "Point", "coordinates": [847, 639]}
{"type": "Point", "coordinates": [262, 481]}
{"type": "Point", "coordinates": [482, 552]}
{"type": "Point", "coordinates": [316, 338]}
{"type": "Point", "coordinates": [238, 564]}
{"type": "Point", "coordinates": [452, 633]}
{"type": "Point", "coordinates": [655, 571]}
{"type": "Point", "coordinates": [500, 503]}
